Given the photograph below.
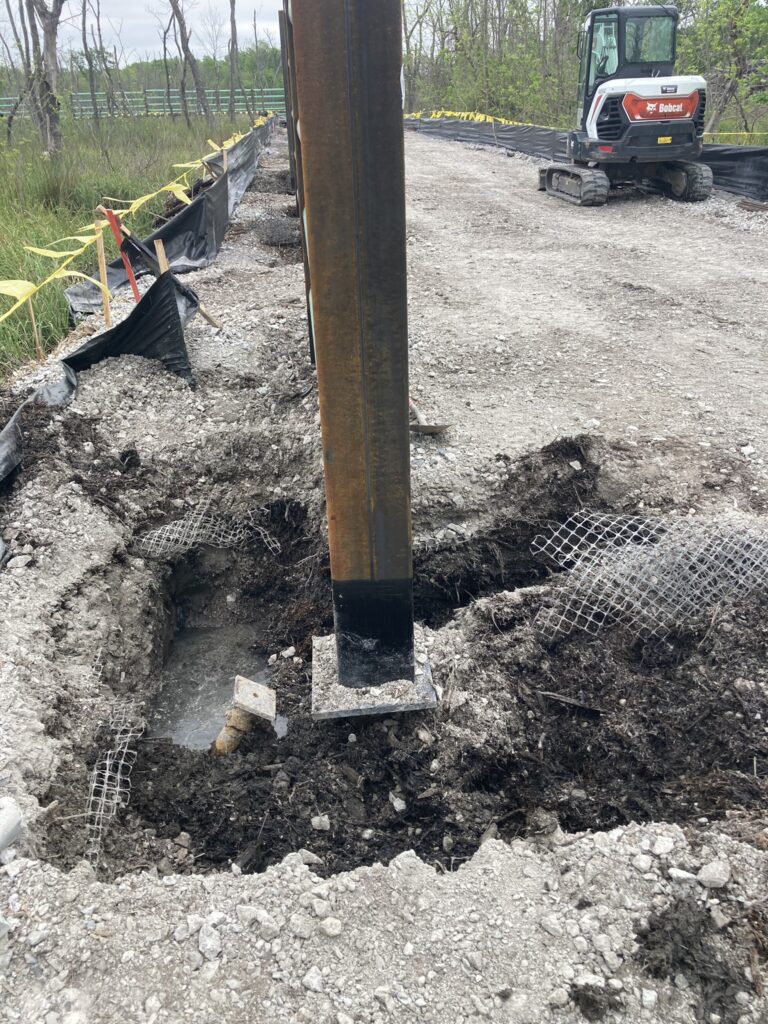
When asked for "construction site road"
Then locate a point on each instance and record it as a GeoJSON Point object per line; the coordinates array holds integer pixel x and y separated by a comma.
{"type": "Point", "coordinates": [530, 318]}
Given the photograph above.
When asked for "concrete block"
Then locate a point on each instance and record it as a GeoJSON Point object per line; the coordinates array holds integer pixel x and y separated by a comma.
{"type": "Point", "coordinates": [255, 698]}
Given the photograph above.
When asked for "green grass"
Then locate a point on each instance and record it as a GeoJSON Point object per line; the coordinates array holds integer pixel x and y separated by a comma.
{"type": "Point", "coordinates": [43, 199]}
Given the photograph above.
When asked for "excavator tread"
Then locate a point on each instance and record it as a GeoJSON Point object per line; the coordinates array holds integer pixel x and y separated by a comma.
{"type": "Point", "coordinates": [697, 185]}
{"type": "Point", "coordinates": [582, 186]}
{"type": "Point", "coordinates": [700, 182]}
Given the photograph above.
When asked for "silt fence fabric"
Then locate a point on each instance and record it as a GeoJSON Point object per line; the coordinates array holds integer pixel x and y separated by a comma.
{"type": "Point", "coordinates": [739, 169]}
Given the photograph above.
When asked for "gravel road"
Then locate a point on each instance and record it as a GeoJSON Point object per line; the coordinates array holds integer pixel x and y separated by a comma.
{"type": "Point", "coordinates": [532, 318]}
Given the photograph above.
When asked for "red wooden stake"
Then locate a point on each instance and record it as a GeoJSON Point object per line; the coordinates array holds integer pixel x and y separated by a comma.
{"type": "Point", "coordinates": [114, 223]}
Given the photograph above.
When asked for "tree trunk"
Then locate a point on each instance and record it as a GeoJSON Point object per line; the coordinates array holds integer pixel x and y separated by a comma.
{"type": "Point", "coordinates": [719, 106]}
{"type": "Point", "coordinates": [183, 79]}
{"type": "Point", "coordinates": [168, 95]}
{"type": "Point", "coordinates": [91, 69]}
{"type": "Point", "coordinates": [46, 96]}
{"type": "Point", "coordinates": [233, 57]}
{"type": "Point", "coordinates": [43, 105]}
{"type": "Point", "coordinates": [191, 61]}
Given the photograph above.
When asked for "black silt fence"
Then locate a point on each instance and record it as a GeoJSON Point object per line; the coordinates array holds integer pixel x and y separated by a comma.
{"type": "Point", "coordinates": [154, 328]}
{"type": "Point", "coordinates": [739, 169]}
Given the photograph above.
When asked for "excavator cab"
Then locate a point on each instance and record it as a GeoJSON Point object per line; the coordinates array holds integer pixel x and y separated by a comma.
{"type": "Point", "coordinates": [636, 121]}
{"type": "Point", "coordinates": [624, 42]}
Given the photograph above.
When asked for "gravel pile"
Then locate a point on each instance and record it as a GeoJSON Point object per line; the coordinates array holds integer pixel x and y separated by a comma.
{"type": "Point", "coordinates": [549, 929]}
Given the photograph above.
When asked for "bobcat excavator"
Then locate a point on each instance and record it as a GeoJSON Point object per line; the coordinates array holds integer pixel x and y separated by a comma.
{"type": "Point", "coordinates": [636, 120]}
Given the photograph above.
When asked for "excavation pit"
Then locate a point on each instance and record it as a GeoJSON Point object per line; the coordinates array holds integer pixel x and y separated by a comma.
{"type": "Point", "coordinates": [197, 684]}
{"type": "Point", "coordinates": [531, 739]}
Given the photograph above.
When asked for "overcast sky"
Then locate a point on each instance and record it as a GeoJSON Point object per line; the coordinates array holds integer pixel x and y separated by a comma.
{"type": "Point", "coordinates": [130, 24]}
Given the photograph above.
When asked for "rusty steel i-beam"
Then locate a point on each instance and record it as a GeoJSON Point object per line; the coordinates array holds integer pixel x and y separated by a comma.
{"type": "Point", "coordinates": [348, 55]}
{"type": "Point", "coordinates": [282, 19]}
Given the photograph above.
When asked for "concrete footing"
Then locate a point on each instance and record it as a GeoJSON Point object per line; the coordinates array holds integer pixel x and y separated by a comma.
{"type": "Point", "coordinates": [332, 700]}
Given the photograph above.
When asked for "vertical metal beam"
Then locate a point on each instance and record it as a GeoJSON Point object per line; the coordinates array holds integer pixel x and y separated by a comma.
{"type": "Point", "coordinates": [348, 55]}
{"type": "Point", "coordinates": [294, 145]}
{"type": "Point", "coordinates": [289, 118]}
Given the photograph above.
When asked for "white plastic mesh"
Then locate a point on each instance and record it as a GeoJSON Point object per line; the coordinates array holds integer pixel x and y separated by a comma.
{"type": "Point", "coordinates": [205, 527]}
{"type": "Point", "coordinates": [650, 575]}
{"type": "Point", "coordinates": [110, 782]}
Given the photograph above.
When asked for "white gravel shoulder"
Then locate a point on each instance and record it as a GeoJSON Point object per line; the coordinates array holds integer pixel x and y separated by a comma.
{"type": "Point", "coordinates": [513, 935]}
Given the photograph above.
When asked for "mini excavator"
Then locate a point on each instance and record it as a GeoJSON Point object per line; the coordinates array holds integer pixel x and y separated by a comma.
{"type": "Point", "coordinates": [637, 122]}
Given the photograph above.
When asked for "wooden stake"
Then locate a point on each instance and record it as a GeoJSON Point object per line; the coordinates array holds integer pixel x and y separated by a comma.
{"type": "Point", "coordinates": [160, 248]}
{"type": "Point", "coordinates": [116, 226]}
{"type": "Point", "coordinates": [224, 161]}
{"type": "Point", "coordinates": [103, 278]}
{"type": "Point", "coordinates": [35, 332]}
{"type": "Point", "coordinates": [162, 259]}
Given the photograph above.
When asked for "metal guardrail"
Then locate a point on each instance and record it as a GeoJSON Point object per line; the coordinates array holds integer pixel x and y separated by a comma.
{"type": "Point", "coordinates": [158, 102]}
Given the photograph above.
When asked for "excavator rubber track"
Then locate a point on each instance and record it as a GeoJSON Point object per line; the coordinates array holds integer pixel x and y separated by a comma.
{"type": "Point", "coordinates": [582, 186]}
{"type": "Point", "coordinates": [684, 181]}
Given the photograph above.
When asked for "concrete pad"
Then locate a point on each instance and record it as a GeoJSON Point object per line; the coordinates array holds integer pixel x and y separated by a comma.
{"type": "Point", "coordinates": [255, 698]}
{"type": "Point", "coordinates": [332, 700]}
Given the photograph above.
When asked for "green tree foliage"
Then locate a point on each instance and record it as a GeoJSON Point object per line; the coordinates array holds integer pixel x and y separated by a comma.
{"type": "Point", "coordinates": [517, 58]}
{"type": "Point", "coordinates": [727, 42]}
{"type": "Point", "coordinates": [259, 68]}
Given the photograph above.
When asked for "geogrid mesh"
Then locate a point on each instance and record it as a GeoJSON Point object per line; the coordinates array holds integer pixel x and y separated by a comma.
{"type": "Point", "coordinates": [110, 782]}
{"type": "Point", "coordinates": [205, 527]}
{"type": "Point", "coordinates": [650, 575]}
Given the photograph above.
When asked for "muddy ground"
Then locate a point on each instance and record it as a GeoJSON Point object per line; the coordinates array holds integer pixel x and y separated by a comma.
{"type": "Point", "coordinates": [599, 377]}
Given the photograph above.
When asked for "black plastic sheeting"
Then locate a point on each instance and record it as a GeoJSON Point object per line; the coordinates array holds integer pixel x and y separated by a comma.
{"type": "Point", "coordinates": [154, 329]}
{"type": "Point", "coordinates": [192, 237]}
{"type": "Point", "coordinates": [739, 169]}
{"type": "Point", "coordinates": [526, 138]}
{"type": "Point", "coordinates": [242, 161]}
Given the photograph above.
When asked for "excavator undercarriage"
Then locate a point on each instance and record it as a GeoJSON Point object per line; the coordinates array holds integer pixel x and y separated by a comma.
{"type": "Point", "coordinates": [590, 186]}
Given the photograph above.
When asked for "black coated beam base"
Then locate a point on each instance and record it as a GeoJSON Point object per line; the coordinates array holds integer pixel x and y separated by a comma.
{"type": "Point", "coordinates": [374, 630]}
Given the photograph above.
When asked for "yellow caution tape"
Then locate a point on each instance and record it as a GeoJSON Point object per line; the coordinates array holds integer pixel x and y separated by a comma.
{"type": "Point", "coordinates": [736, 135]}
{"type": "Point", "coordinates": [86, 277]}
{"type": "Point", "coordinates": [22, 291]}
{"type": "Point", "coordinates": [55, 254]}
{"type": "Point", "coordinates": [6, 286]}
{"type": "Point", "coordinates": [464, 115]}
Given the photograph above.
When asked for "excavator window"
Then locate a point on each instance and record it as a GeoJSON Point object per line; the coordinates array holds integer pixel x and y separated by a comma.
{"type": "Point", "coordinates": [650, 40]}
{"type": "Point", "coordinates": [604, 60]}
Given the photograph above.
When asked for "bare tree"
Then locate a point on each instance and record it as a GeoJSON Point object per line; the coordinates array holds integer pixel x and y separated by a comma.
{"type": "Point", "coordinates": [213, 31]}
{"type": "Point", "coordinates": [235, 79]}
{"type": "Point", "coordinates": [49, 18]}
{"type": "Point", "coordinates": [17, 77]}
{"type": "Point", "coordinates": [183, 77]}
{"type": "Point", "coordinates": [166, 68]}
{"type": "Point", "coordinates": [39, 62]}
{"type": "Point", "coordinates": [90, 64]}
{"type": "Point", "coordinates": [234, 57]}
{"type": "Point", "coordinates": [165, 24]}
{"type": "Point", "coordinates": [190, 61]}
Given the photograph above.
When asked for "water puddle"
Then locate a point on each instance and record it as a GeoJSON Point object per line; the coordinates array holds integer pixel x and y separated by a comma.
{"type": "Point", "coordinates": [198, 683]}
